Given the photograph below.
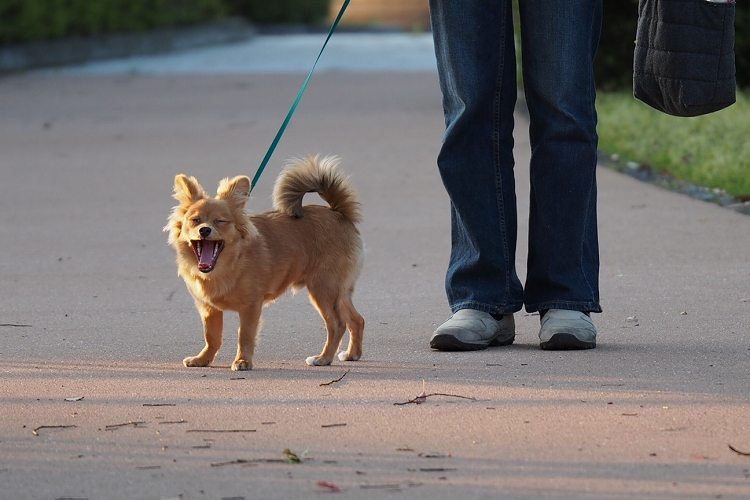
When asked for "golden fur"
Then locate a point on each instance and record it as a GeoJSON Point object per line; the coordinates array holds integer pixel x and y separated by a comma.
{"type": "Point", "coordinates": [264, 255]}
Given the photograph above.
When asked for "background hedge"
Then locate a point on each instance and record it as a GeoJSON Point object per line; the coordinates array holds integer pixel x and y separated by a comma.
{"type": "Point", "coordinates": [27, 20]}
{"type": "Point", "coordinates": [280, 11]}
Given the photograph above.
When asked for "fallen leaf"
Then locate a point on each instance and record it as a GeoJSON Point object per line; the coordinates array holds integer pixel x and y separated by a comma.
{"type": "Point", "coordinates": [292, 457]}
{"type": "Point", "coordinates": [329, 486]}
{"type": "Point", "coordinates": [421, 398]}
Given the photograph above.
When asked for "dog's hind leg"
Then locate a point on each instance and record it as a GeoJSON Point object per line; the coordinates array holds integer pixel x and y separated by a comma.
{"type": "Point", "coordinates": [213, 324]}
{"type": "Point", "coordinates": [329, 309]}
{"type": "Point", "coordinates": [356, 324]}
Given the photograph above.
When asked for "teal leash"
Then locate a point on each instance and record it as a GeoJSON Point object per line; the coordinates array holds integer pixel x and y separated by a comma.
{"type": "Point", "coordinates": [296, 101]}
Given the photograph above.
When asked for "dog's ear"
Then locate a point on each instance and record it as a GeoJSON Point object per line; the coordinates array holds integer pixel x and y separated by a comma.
{"type": "Point", "coordinates": [187, 190]}
{"type": "Point", "coordinates": [234, 190]}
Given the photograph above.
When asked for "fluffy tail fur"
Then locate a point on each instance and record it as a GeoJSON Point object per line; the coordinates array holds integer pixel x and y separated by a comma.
{"type": "Point", "coordinates": [315, 175]}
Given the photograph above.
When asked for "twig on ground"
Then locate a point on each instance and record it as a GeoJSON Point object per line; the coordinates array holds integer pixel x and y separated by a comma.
{"type": "Point", "coordinates": [743, 453]}
{"type": "Point", "coordinates": [326, 426]}
{"type": "Point", "coordinates": [36, 433]}
{"type": "Point", "coordinates": [423, 397]}
{"type": "Point", "coordinates": [334, 381]}
{"type": "Point", "coordinates": [117, 426]}
{"type": "Point", "coordinates": [380, 486]}
{"type": "Point", "coordinates": [239, 461]}
{"type": "Point", "coordinates": [180, 421]}
{"type": "Point", "coordinates": [220, 430]}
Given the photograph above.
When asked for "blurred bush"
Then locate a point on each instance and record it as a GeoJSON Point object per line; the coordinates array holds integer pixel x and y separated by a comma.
{"type": "Point", "coordinates": [26, 20]}
{"type": "Point", "coordinates": [614, 60]}
{"type": "Point", "coordinates": [280, 11]}
{"type": "Point", "coordinates": [742, 44]}
{"type": "Point", "coordinates": [613, 67]}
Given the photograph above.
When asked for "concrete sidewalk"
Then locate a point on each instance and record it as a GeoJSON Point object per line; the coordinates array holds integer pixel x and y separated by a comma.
{"type": "Point", "coordinates": [347, 52]}
{"type": "Point", "coordinates": [94, 321]}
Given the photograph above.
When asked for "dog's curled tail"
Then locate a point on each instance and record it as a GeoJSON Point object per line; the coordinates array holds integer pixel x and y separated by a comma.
{"type": "Point", "coordinates": [315, 175]}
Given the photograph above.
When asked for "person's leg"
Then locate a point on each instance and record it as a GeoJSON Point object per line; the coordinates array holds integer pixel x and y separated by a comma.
{"type": "Point", "coordinates": [559, 41]}
{"type": "Point", "coordinates": [474, 45]}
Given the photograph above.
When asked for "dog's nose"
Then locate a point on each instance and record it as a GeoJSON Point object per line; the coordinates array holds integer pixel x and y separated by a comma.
{"type": "Point", "coordinates": [205, 231]}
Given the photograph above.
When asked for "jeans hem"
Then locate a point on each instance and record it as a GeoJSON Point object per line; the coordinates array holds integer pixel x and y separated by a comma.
{"type": "Point", "coordinates": [478, 306]}
{"type": "Point", "coordinates": [566, 305]}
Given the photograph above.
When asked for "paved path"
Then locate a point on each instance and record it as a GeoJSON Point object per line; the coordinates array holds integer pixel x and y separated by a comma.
{"type": "Point", "coordinates": [348, 52]}
{"type": "Point", "coordinates": [95, 322]}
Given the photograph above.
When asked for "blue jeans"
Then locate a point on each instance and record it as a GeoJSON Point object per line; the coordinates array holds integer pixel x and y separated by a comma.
{"type": "Point", "coordinates": [474, 44]}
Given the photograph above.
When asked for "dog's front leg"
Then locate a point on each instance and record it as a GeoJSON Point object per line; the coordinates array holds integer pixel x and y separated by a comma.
{"type": "Point", "coordinates": [213, 324]}
{"type": "Point", "coordinates": [247, 336]}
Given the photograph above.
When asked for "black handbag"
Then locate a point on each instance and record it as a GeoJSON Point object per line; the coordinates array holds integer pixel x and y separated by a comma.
{"type": "Point", "coordinates": [684, 56]}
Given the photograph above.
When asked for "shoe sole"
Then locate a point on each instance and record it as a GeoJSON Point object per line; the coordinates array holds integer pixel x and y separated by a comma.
{"type": "Point", "coordinates": [450, 343]}
{"type": "Point", "coordinates": [566, 342]}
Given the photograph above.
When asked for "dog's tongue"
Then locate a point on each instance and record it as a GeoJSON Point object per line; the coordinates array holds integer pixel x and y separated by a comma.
{"type": "Point", "coordinates": [207, 254]}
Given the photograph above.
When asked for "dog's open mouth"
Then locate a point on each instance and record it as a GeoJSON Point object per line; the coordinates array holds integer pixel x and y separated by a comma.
{"type": "Point", "coordinates": [207, 251]}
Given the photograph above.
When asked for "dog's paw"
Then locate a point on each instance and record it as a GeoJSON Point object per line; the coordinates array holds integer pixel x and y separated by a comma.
{"type": "Point", "coordinates": [317, 361]}
{"type": "Point", "coordinates": [346, 356]}
{"type": "Point", "coordinates": [196, 361]}
{"type": "Point", "coordinates": [241, 365]}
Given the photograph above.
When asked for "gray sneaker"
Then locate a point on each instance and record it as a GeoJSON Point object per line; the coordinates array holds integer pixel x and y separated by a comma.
{"type": "Point", "coordinates": [567, 330]}
{"type": "Point", "coordinates": [472, 330]}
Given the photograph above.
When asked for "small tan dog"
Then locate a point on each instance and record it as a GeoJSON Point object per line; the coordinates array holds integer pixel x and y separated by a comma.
{"type": "Point", "coordinates": [234, 261]}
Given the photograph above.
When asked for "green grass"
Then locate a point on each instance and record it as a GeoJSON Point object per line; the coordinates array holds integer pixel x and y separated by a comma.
{"type": "Point", "coordinates": [711, 150]}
